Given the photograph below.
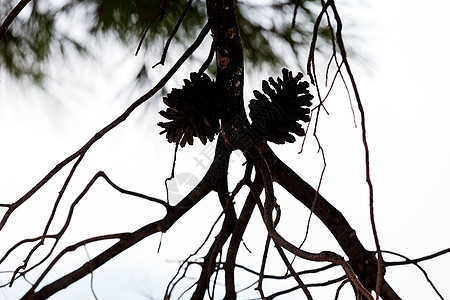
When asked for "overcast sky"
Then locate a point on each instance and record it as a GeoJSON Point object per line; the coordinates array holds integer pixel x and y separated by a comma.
{"type": "Point", "coordinates": [403, 79]}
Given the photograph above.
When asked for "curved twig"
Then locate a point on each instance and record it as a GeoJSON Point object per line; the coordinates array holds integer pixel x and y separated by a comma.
{"type": "Point", "coordinates": [171, 283]}
{"type": "Point", "coordinates": [109, 127]}
{"type": "Point", "coordinates": [159, 16]}
{"type": "Point", "coordinates": [340, 42]}
{"type": "Point", "coordinates": [172, 174]}
{"type": "Point", "coordinates": [338, 290]}
{"type": "Point", "coordinates": [208, 182]}
{"type": "Point", "coordinates": [415, 262]}
{"type": "Point", "coordinates": [12, 15]}
{"type": "Point", "coordinates": [172, 34]}
{"type": "Point", "coordinates": [63, 229]}
{"type": "Point", "coordinates": [74, 247]}
{"type": "Point", "coordinates": [270, 204]}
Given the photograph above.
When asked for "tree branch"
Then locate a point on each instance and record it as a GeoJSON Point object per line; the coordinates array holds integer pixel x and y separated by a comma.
{"type": "Point", "coordinates": [12, 15]}
{"type": "Point", "coordinates": [362, 261]}
{"type": "Point", "coordinates": [109, 127]}
{"type": "Point", "coordinates": [270, 204]}
{"type": "Point", "coordinates": [208, 183]}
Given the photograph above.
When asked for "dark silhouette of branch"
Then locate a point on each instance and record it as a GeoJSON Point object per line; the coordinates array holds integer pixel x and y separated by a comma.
{"type": "Point", "coordinates": [159, 16]}
{"type": "Point", "coordinates": [11, 16]}
{"type": "Point", "coordinates": [269, 206]}
{"type": "Point", "coordinates": [294, 288]}
{"type": "Point", "coordinates": [172, 34]}
{"type": "Point", "coordinates": [280, 251]}
{"type": "Point", "coordinates": [280, 277]}
{"type": "Point", "coordinates": [109, 127]}
{"type": "Point", "coordinates": [415, 262]}
{"type": "Point", "coordinates": [362, 261]}
{"type": "Point", "coordinates": [126, 240]}
{"type": "Point", "coordinates": [87, 266]}
{"type": "Point", "coordinates": [208, 60]}
{"type": "Point", "coordinates": [65, 226]}
{"type": "Point", "coordinates": [342, 49]}
{"type": "Point", "coordinates": [364, 269]}
{"type": "Point", "coordinates": [60, 195]}
{"type": "Point", "coordinates": [297, 3]}
{"type": "Point", "coordinates": [338, 290]}
{"type": "Point", "coordinates": [172, 283]}
{"type": "Point", "coordinates": [172, 174]}
{"type": "Point", "coordinates": [131, 193]}
{"type": "Point", "coordinates": [236, 238]}
{"type": "Point", "coordinates": [92, 274]}
{"type": "Point", "coordinates": [209, 261]}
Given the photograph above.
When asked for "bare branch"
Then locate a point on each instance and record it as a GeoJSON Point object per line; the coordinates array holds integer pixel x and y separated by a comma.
{"type": "Point", "coordinates": [238, 232]}
{"type": "Point", "coordinates": [159, 16]}
{"type": "Point", "coordinates": [415, 262]}
{"type": "Point", "coordinates": [172, 34]}
{"type": "Point", "coordinates": [92, 273]}
{"type": "Point", "coordinates": [208, 60]}
{"type": "Point", "coordinates": [12, 15]}
{"type": "Point", "coordinates": [63, 229]}
{"type": "Point", "coordinates": [209, 181]}
{"type": "Point", "coordinates": [340, 42]}
{"type": "Point", "coordinates": [279, 277]}
{"type": "Point", "coordinates": [109, 127]}
{"type": "Point", "coordinates": [131, 193]}
{"type": "Point", "coordinates": [60, 194]}
{"type": "Point", "coordinates": [338, 290]}
{"type": "Point", "coordinates": [270, 204]}
{"type": "Point", "coordinates": [71, 248]}
{"type": "Point", "coordinates": [172, 174]}
{"type": "Point", "coordinates": [171, 285]}
{"type": "Point", "coordinates": [359, 258]}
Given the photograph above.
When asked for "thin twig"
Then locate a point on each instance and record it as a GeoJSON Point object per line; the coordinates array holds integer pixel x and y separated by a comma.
{"type": "Point", "coordinates": [172, 34]}
{"type": "Point", "coordinates": [126, 241]}
{"type": "Point", "coordinates": [60, 194]}
{"type": "Point", "coordinates": [319, 284]}
{"type": "Point", "coordinates": [415, 262]}
{"type": "Point", "coordinates": [338, 290]}
{"type": "Point", "coordinates": [63, 229]}
{"type": "Point", "coordinates": [12, 15]}
{"type": "Point", "coordinates": [172, 174]}
{"type": "Point", "coordinates": [131, 193]}
{"type": "Point", "coordinates": [159, 16]}
{"type": "Point", "coordinates": [340, 42]}
{"type": "Point", "coordinates": [280, 252]}
{"type": "Point", "coordinates": [208, 60]}
{"type": "Point", "coordinates": [169, 291]}
{"type": "Point", "coordinates": [270, 204]}
{"type": "Point", "coordinates": [281, 277]}
{"type": "Point", "coordinates": [297, 3]}
{"type": "Point", "coordinates": [263, 266]}
{"type": "Point", "coordinates": [214, 283]}
{"type": "Point", "coordinates": [73, 248]}
{"type": "Point", "coordinates": [338, 65]}
{"type": "Point", "coordinates": [109, 127]}
{"type": "Point", "coordinates": [92, 272]}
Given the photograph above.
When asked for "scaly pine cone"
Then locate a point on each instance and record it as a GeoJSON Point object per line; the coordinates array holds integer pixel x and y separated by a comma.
{"type": "Point", "coordinates": [193, 111]}
{"type": "Point", "coordinates": [276, 119]}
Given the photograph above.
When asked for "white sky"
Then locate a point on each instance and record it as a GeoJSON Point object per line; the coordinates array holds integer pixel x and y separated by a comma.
{"type": "Point", "coordinates": [406, 103]}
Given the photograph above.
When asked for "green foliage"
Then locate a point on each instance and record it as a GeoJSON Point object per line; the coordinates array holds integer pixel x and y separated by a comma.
{"type": "Point", "coordinates": [38, 32]}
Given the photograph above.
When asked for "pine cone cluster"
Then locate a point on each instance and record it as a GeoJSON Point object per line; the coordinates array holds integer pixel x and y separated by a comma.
{"type": "Point", "coordinates": [193, 111]}
{"type": "Point", "coordinates": [276, 119]}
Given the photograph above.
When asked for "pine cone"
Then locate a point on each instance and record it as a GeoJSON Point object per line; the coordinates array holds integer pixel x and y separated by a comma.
{"type": "Point", "coordinates": [276, 119]}
{"type": "Point", "coordinates": [193, 111]}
